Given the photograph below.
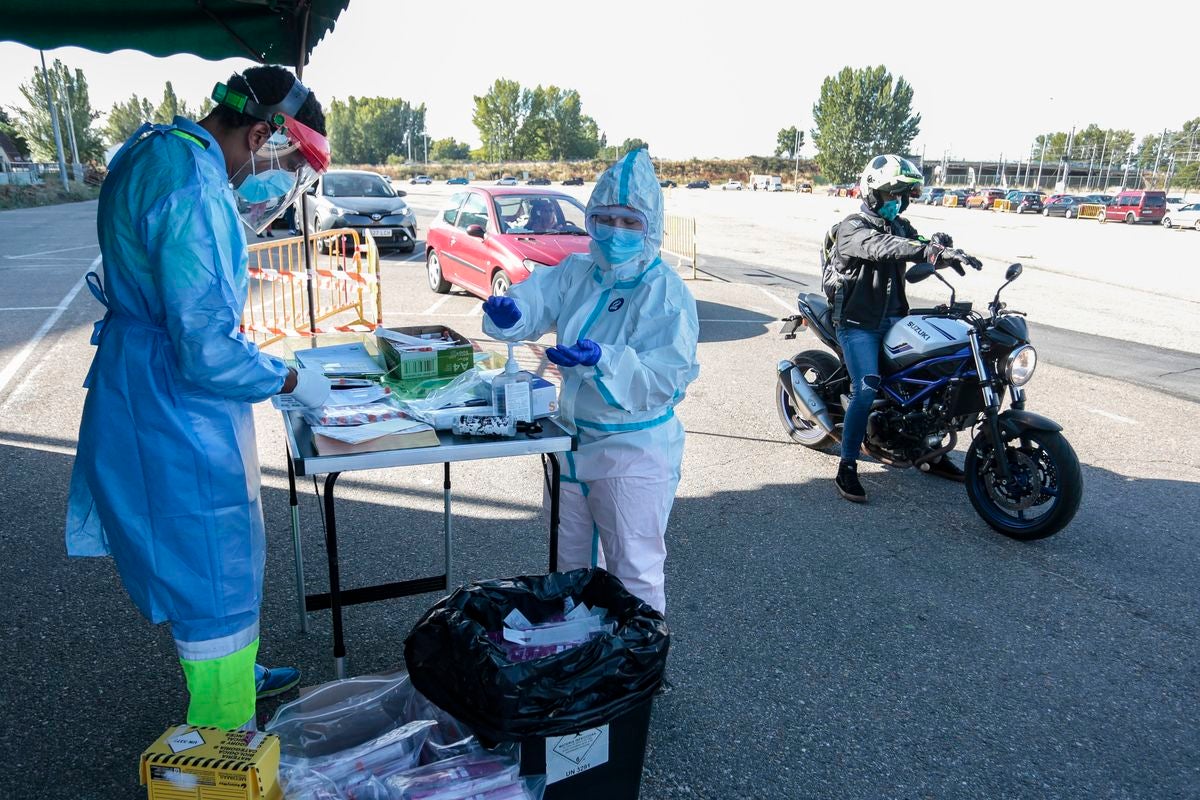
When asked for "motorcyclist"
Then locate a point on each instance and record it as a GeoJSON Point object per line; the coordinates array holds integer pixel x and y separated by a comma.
{"type": "Point", "coordinates": [866, 290]}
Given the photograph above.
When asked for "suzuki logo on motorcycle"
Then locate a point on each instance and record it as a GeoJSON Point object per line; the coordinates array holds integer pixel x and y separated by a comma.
{"type": "Point", "coordinates": [615, 304]}
{"type": "Point", "coordinates": [918, 331]}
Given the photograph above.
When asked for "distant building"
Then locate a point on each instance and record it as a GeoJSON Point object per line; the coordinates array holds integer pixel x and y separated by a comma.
{"type": "Point", "coordinates": [9, 152]}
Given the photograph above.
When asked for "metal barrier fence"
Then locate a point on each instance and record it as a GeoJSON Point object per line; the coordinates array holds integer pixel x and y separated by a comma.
{"type": "Point", "coordinates": [1002, 206]}
{"type": "Point", "coordinates": [950, 200]}
{"type": "Point", "coordinates": [1091, 211]}
{"type": "Point", "coordinates": [679, 239]}
{"type": "Point", "coordinates": [347, 281]}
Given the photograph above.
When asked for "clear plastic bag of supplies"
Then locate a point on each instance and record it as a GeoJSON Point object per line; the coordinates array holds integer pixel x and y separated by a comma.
{"type": "Point", "coordinates": [339, 415]}
{"type": "Point", "coordinates": [340, 722]}
{"type": "Point", "coordinates": [467, 391]}
{"type": "Point", "coordinates": [455, 664]}
{"type": "Point", "coordinates": [464, 776]}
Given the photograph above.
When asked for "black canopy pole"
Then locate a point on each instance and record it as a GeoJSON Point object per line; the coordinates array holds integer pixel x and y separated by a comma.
{"type": "Point", "coordinates": [301, 52]}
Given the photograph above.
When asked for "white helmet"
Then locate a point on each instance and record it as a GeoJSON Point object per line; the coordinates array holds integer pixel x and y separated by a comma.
{"type": "Point", "coordinates": [889, 176]}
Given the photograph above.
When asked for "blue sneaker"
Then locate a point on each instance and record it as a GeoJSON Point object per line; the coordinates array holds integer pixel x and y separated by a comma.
{"type": "Point", "coordinates": [270, 682]}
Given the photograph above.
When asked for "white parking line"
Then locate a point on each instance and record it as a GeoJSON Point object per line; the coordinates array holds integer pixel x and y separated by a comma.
{"type": "Point", "coordinates": [1116, 417]}
{"type": "Point", "coordinates": [48, 252]}
{"type": "Point", "coordinates": [10, 370]}
{"type": "Point", "coordinates": [29, 308]}
{"type": "Point", "coordinates": [437, 304]}
{"type": "Point", "coordinates": [789, 306]}
{"type": "Point", "coordinates": [476, 311]}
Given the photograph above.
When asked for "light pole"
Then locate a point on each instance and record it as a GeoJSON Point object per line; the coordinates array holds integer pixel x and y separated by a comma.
{"type": "Point", "coordinates": [76, 167]}
{"type": "Point", "coordinates": [796, 155]}
{"type": "Point", "coordinates": [62, 161]}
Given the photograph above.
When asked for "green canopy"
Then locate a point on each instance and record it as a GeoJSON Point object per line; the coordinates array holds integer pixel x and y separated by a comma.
{"type": "Point", "coordinates": [268, 31]}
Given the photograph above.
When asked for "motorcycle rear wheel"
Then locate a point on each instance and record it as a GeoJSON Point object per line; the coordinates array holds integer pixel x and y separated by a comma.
{"type": "Point", "coordinates": [1044, 494]}
{"type": "Point", "coordinates": [816, 366]}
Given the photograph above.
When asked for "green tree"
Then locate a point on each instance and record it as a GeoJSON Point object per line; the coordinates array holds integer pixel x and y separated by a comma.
{"type": "Point", "coordinates": [367, 130]}
{"type": "Point", "coordinates": [861, 113]}
{"type": "Point", "coordinates": [34, 122]}
{"type": "Point", "coordinates": [9, 129]}
{"type": "Point", "coordinates": [500, 116]}
{"type": "Point", "coordinates": [633, 144]}
{"type": "Point", "coordinates": [788, 142]}
{"type": "Point", "coordinates": [126, 117]}
{"type": "Point", "coordinates": [170, 107]}
{"type": "Point", "coordinates": [449, 150]}
{"type": "Point", "coordinates": [558, 127]}
{"type": "Point", "coordinates": [206, 107]}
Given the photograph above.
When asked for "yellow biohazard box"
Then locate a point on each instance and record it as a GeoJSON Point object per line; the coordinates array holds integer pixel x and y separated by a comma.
{"type": "Point", "coordinates": [191, 762]}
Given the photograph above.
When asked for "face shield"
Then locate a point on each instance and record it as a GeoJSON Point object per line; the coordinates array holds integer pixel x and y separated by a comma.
{"type": "Point", "coordinates": [275, 176]}
{"type": "Point", "coordinates": [287, 164]}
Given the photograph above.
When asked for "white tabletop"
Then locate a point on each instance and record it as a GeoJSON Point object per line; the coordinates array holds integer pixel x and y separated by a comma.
{"type": "Point", "coordinates": [552, 439]}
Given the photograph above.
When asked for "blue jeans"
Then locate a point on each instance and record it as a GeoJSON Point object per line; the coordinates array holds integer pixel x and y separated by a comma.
{"type": "Point", "coordinates": [860, 351]}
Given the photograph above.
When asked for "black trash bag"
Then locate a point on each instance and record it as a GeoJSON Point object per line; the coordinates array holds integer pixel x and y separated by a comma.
{"type": "Point", "coordinates": [453, 663]}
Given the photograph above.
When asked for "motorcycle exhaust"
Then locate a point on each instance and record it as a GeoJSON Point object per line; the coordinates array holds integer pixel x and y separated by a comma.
{"type": "Point", "coordinates": [811, 405]}
{"type": "Point", "coordinates": [921, 461]}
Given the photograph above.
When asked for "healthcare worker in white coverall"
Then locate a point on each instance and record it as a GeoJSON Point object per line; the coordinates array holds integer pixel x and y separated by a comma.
{"type": "Point", "coordinates": [626, 349]}
{"type": "Point", "coordinates": [166, 477]}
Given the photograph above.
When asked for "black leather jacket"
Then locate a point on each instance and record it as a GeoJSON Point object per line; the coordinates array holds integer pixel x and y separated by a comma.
{"type": "Point", "coordinates": [870, 257]}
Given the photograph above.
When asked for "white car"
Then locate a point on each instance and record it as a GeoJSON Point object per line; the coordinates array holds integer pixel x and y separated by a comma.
{"type": "Point", "coordinates": [1187, 216]}
{"type": "Point", "coordinates": [507, 180]}
{"type": "Point", "coordinates": [735, 185]}
{"type": "Point", "coordinates": [425, 179]}
{"type": "Point", "coordinates": [1176, 203]}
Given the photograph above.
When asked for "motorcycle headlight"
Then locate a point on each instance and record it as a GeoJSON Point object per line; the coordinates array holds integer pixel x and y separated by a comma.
{"type": "Point", "coordinates": [1020, 366]}
{"type": "Point", "coordinates": [531, 265]}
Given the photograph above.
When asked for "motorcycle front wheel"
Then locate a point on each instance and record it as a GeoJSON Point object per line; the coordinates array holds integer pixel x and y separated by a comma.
{"type": "Point", "coordinates": [816, 366]}
{"type": "Point", "coordinates": [1044, 489]}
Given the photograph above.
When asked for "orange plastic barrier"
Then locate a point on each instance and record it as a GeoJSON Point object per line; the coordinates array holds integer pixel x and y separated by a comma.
{"type": "Point", "coordinates": [346, 284]}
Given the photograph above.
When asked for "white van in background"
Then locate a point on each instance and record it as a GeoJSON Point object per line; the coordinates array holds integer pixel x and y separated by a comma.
{"type": "Point", "coordinates": [768, 183]}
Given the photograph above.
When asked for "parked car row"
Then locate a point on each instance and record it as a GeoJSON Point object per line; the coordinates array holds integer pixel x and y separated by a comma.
{"type": "Point", "coordinates": [1131, 207]}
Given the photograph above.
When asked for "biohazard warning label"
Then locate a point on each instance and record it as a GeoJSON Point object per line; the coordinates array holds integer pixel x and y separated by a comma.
{"type": "Point", "coordinates": [567, 756]}
{"type": "Point", "coordinates": [185, 741]}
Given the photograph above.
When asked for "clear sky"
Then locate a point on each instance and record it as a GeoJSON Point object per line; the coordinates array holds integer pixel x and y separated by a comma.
{"type": "Point", "coordinates": [719, 79]}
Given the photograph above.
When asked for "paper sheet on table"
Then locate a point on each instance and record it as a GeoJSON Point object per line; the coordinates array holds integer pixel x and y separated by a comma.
{"type": "Point", "coordinates": [340, 359]}
{"type": "Point", "coordinates": [404, 340]}
{"type": "Point", "coordinates": [357, 434]}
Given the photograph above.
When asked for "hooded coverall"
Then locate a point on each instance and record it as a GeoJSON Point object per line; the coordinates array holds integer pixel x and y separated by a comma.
{"type": "Point", "coordinates": [619, 486]}
{"type": "Point", "coordinates": [166, 477]}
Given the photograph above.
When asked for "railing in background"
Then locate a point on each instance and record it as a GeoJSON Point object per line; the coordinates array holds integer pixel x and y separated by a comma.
{"type": "Point", "coordinates": [347, 282]}
{"type": "Point", "coordinates": [950, 200]}
{"type": "Point", "coordinates": [679, 239]}
{"type": "Point", "coordinates": [1091, 211]}
{"type": "Point", "coordinates": [1002, 206]}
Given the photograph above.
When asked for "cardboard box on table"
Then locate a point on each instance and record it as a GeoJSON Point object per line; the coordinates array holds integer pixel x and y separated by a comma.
{"type": "Point", "coordinates": [413, 375]}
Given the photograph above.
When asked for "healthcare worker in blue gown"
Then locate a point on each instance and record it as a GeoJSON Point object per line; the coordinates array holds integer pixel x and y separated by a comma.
{"type": "Point", "coordinates": [626, 330]}
{"type": "Point", "coordinates": [166, 478]}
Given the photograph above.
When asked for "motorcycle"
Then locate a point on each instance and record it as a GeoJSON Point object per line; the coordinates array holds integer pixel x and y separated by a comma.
{"type": "Point", "coordinates": [944, 370]}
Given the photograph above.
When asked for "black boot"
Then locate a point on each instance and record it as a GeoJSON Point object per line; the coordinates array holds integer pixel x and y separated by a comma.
{"type": "Point", "coordinates": [943, 467]}
{"type": "Point", "coordinates": [847, 482]}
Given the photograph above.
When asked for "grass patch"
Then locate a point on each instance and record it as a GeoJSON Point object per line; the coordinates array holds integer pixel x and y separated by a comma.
{"type": "Point", "coordinates": [44, 195]}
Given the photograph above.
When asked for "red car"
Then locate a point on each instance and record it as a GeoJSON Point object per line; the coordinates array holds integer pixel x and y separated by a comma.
{"type": "Point", "coordinates": [1131, 207]}
{"type": "Point", "coordinates": [490, 237]}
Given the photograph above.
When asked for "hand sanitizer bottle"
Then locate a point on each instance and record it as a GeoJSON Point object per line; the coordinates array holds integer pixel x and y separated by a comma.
{"type": "Point", "coordinates": [511, 391]}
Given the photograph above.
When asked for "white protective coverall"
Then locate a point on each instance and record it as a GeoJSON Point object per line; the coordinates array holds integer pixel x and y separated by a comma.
{"type": "Point", "coordinates": [618, 488]}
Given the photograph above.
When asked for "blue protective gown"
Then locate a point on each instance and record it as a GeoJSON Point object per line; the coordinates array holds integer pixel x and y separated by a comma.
{"type": "Point", "coordinates": [166, 477]}
{"type": "Point", "coordinates": [622, 479]}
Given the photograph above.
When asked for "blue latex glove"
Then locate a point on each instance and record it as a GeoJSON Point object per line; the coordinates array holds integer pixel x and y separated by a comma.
{"type": "Point", "coordinates": [502, 311]}
{"type": "Point", "coordinates": [584, 353]}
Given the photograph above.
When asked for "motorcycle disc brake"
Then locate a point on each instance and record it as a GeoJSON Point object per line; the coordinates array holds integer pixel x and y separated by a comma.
{"type": "Point", "coordinates": [1014, 497]}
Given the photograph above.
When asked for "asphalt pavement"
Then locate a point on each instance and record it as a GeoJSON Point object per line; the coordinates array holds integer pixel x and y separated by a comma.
{"type": "Point", "coordinates": [820, 649]}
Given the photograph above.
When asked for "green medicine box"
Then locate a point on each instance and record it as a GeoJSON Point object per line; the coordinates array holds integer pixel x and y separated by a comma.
{"type": "Point", "coordinates": [415, 367]}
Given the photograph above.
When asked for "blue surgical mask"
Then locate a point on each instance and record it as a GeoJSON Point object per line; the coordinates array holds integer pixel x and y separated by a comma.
{"type": "Point", "coordinates": [890, 210]}
{"type": "Point", "coordinates": [273, 184]}
{"type": "Point", "coordinates": [618, 245]}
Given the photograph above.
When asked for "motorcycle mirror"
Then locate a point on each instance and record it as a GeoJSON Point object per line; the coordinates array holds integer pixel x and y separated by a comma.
{"type": "Point", "coordinates": [1013, 273]}
{"type": "Point", "coordinates": [919, 272]}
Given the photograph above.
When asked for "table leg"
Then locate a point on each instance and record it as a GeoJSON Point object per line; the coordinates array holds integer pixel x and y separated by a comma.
{"type": "Point", "coordinates": [296, 551]}
{"type": "Point", "coordinates": [447, 522]}
{"type": "Point", "coordinates": [335, 587]}
{"type": "Point", "coordinates": [555, 483]}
